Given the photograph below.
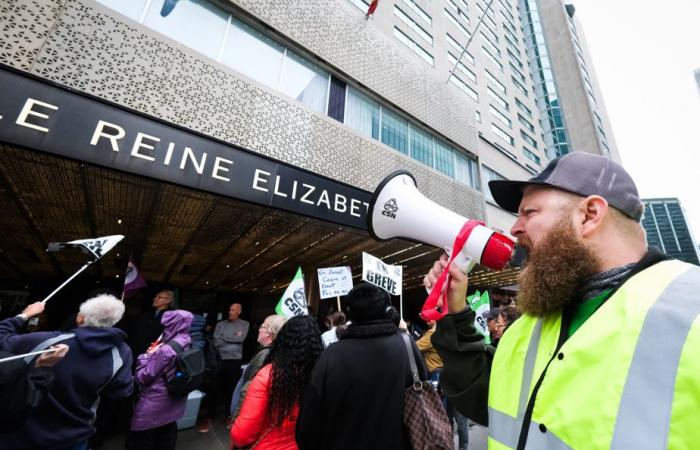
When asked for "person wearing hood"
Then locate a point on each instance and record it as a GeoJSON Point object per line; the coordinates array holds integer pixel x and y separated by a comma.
{"type": "Point", "coordinates": [153, 424]}
{"type": "Point", "coordinates": [97, 365]}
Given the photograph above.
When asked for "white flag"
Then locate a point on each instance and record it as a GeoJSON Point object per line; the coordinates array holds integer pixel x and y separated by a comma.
{"type": "Point", "coordinates": [98, 247]}
{"type": "Point", "coordinates": [293, 301]}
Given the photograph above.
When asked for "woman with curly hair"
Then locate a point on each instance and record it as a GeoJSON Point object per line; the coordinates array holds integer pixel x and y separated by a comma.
{"type": "Point", "coordinates": [269, 412]}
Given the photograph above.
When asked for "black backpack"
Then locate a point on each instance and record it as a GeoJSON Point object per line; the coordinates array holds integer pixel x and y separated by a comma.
{"type": "Point", "coordinates": [189, 370]}
{"type": "Point", "coordinates": [212, 358]}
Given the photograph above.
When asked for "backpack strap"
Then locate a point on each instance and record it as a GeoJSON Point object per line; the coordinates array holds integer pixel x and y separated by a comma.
{"type": "Point", "coordinates": [175, 346]}
{"type": "Point", "coordinates": [48, 343]}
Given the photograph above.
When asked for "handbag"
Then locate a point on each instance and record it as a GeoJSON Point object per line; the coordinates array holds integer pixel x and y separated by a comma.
{"type": "Point", "coordinates": [255, 444]}
{"type": "Point", "coordinates": [424, 417]}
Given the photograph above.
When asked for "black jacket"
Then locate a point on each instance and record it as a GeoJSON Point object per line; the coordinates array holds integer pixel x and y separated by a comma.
{"type": "Point", "coordinates": [22, 389]}
{"type": "Point", "coordinates": [356, 395]}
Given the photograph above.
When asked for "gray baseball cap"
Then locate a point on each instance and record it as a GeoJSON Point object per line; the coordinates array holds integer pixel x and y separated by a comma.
{"type": "Point", "coordinates": [579, 173]}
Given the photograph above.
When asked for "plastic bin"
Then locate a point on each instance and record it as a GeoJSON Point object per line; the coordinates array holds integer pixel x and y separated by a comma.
{"type": "Point", "coordinates": [189, 419]}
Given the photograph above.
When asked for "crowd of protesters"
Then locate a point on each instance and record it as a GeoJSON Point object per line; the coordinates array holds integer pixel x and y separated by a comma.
{"type": "Point", "coordinates": [601, 357]}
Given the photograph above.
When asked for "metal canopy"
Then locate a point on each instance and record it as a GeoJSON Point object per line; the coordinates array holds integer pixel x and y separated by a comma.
{"type": "Point", "coordinates": [194, 240]}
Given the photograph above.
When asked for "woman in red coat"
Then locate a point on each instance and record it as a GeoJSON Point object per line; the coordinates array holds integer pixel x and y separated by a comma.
{"type": "Point", "coordinates": [269, 412]}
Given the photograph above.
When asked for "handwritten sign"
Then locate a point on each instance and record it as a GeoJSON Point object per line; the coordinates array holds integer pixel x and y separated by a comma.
{"type": "Point", "coordinates": [383, 275]}
{"type": "Point", "coordinates": [334, 281]}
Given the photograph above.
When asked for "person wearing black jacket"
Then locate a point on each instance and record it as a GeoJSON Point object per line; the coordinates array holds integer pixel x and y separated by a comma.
{"type": "Point", "coordinates": [356, 396]}
{"type": "Point", "coordinates": [146, 328]}
{"type": "Point", "coordinates": [23, 386]}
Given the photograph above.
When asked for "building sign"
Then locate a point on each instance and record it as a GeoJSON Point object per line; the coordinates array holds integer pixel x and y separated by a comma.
{"type": "Point", "coordinates": [42, 116]}
{"type": "Point", "coordinates": [375, 271]}
{"type": "Point", "coordinates": [334, 281]}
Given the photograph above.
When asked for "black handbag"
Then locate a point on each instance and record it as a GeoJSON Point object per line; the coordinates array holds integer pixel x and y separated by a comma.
{"type": "Point", "coordinates": [424, 416]}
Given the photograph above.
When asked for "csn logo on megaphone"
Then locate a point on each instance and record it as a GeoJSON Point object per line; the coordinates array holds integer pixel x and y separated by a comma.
{"type": "Point", "coordinates": [390, 208]}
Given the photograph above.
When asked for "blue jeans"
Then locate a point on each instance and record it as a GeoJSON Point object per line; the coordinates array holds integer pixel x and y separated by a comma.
{"type": "Point", "coordinates": [462, 424]}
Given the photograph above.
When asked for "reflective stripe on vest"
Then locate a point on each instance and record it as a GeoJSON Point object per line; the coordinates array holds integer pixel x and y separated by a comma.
{"type": "Point", "coordinates": [506, 429]}
{"type": "Point", "coordinates": [652, 374]}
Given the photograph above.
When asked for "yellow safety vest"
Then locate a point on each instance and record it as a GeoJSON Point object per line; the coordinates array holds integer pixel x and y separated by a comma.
{"type": "Point", "coordinates": [628, 379]}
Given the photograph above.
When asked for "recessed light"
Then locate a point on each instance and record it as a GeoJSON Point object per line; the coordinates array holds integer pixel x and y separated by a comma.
{"type": "Point", "coordinates": [206, 282]}
{"type": "Point", "coordinates": [119, 221]}
{"type": "Point", "coordinates": [345, 256]}
{"type": "Point", "coordinates": [116, 276]}
{"type": "Point", "coordinates": [228, 265]}
{"type": "Point", "coordinates": [257, 243]}
{"type": "Point", "coordinates": [118, 255]}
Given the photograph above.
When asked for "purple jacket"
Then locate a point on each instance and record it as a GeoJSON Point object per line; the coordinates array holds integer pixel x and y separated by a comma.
{"type": "Point", "coordinates": [81, 378]}
{"type": "Point", "coordinates": [155, 407]}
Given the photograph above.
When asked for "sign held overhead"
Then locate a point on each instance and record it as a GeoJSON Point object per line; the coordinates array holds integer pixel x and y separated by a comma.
{"type": "Point", "coordinates": [383, 275]}
{"type": "Point", "coordinates": [334, 281]}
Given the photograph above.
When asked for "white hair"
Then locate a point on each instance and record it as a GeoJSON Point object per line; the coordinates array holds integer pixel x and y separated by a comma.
{"type": "Point", "coordinates": [102, 311]}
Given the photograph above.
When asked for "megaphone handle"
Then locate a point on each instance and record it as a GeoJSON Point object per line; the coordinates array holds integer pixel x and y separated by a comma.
{"type": "Point", "coordinates": [464, 262]}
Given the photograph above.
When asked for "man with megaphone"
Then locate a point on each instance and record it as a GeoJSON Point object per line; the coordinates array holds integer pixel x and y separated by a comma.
{"type": "Point", "coordinates": [606, 354]}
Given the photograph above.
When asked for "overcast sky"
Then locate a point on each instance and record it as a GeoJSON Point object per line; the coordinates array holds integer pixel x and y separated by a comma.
{"type": "Point", "coordinates": [644, 54]}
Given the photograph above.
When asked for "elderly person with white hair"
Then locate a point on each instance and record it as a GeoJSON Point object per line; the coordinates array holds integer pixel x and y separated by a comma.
{"type": "Point", "coordinates": [97, 365]}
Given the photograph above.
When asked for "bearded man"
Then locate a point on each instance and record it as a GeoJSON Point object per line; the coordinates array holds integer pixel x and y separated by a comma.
{"type": "Point", "coordinates": [606, 354]}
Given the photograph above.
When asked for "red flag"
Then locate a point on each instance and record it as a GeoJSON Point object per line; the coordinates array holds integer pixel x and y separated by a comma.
{"type": "Point", "coordinates": [372, 7]}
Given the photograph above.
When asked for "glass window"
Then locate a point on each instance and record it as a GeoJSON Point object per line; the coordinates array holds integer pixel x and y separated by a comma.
{"type": "Point", "coordinates": [531, 156]}
{"type": "Point", "coordinates": [527, 138]}
{"type": "Point", "coordinates": [444, 159]}
{"type": "Point", "coordinates": [477, 116]}
{"type": "Point", "coordinates": [500, 116]}
{"type": "Point", "coordinates": [412, 24]}
{"type": "Point", "coordinates": [523, 108]}
{"type": "Point", "coordinates": [466, 171]}
{"type": "Point", "coordinates": [469, 74]}
{"type": "Point", "coordinates": [130, 8]}
{"type": "Point", "coordinates": [419, 11]}
{"type": "Point", "coordinates": [197, 24]}
{"type": "Point", "coordinates": [421, 146]}
{"type": "Point", "coordinates": [362, 4]}
{"type": "Point", "coordinates": [457, 46]}
{"type": "Point", "coordinates": [498, 99]}
{"type": "Point", "coordinates": [362, 114]}
{"type": "Point", "coordinates": [502, 134]}
{"type": "Point", "coordinates": [489, 175]}
{"type": "Point", "coordinates": [305, 82]}
{"type": "Point", "coordinates": [519, 85]}
{"type": "Point", "coordinates": [410, 43]}
{"type": "Point", "coordinates": [394, 131]}
{"type": "Point", "coordinates": [456, 23]}
{"type": "Point", "coordinates": [485, 39]}
{"type": "Point", "coordinates": [253, 54]}
{"type": "Point", "coordinates": [492, 58]}
{"type": "Point", "coordinates": [495, 82]}
{"type": "Point", "coordinates": [463, 86]}
{"type": "Point", "coordinates": [526, 123]}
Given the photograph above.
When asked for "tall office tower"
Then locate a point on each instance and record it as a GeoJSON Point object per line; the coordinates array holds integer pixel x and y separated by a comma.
{"type": "Point", "coordinates": [569, 99]}
{"type": "Point", "coordinates": [526, 73]}
{"type": "Point", "coordinates": [667, 228]}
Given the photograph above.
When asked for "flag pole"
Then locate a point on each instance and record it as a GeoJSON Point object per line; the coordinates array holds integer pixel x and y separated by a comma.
{"type": "Point", "coordinates": [67, 281]}
{"type": "Point", "coordinates": [464, 49]}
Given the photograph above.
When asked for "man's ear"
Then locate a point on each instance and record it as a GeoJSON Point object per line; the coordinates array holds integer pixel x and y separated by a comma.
{"type": "Point", "coordinates": [594, 209]}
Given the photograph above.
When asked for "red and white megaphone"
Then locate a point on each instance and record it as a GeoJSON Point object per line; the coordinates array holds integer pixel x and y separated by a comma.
{"type": "Point", "coordinates": [399, 210]}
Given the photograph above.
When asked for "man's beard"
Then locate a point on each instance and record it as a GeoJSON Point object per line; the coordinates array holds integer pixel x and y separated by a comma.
{"type": "Point", "coordinates": [554, 270]}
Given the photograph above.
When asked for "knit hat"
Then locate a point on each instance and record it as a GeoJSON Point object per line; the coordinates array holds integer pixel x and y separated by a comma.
{"type": "Point", "coordinates": [367, 302]}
